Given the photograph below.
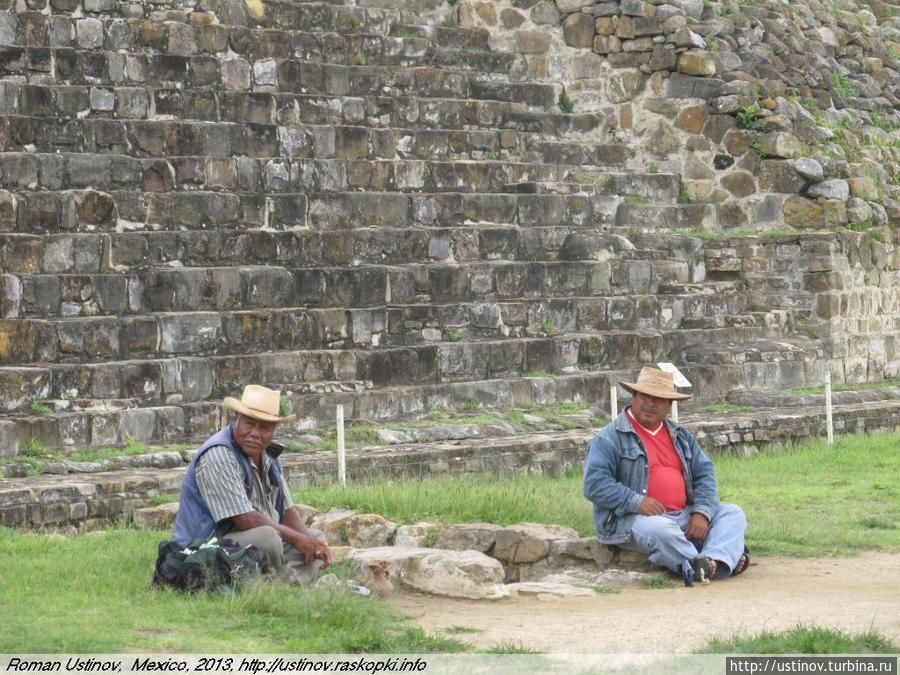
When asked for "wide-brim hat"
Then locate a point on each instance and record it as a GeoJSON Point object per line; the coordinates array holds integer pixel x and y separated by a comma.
{"type": "Point", "coordinates": [259, 403]}
{"type": "Point", "coordinates": [655, 382]}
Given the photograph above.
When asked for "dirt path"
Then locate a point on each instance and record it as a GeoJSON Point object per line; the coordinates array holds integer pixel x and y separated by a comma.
{"type": "Point", "coordinates": [850, 594]}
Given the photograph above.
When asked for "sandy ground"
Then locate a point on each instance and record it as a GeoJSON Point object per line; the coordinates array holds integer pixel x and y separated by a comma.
{"type": "Point", "coordinates": [850, 594]}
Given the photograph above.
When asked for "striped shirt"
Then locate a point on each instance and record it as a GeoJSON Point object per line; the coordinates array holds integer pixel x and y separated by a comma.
{"type": "Point", "coordinates": [221, 483]}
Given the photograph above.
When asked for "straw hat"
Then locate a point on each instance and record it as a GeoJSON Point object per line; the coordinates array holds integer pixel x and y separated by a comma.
{"type": "Point", "coordinates": [260, 403]}
{"type": "Point", "coordinates": [655, 382]}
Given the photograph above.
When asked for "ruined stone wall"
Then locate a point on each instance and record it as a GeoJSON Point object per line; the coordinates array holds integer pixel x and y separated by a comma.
{"type": "Point", "coordinates": [840, 290]}
{"type": "Point", "coordinates": [782, 115]}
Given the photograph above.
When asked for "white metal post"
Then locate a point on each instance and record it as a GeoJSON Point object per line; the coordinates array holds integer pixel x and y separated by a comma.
{"type": "Point", "coordinates": [674, 411]}
{"type": "Point", "coordinates": [613, 402]}
{"type": "Point", "coordinates": [829, 421]}
{"type": "Point", "coordinates": [342, 457]}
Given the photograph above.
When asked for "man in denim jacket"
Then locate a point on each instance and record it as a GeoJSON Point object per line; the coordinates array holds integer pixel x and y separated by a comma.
{"type": "Point", "coordinates": [654, 490]}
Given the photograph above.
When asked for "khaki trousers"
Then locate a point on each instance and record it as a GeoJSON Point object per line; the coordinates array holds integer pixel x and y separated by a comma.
{"type": "Point", "coordinates": [282, 560]}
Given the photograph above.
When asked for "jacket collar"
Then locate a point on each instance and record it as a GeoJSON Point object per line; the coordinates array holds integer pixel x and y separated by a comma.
{"type": "Point", "coordinates": [623, 423]}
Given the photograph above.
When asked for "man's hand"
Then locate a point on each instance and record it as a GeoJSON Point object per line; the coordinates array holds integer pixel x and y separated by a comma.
{"type": "Point", "coordinates": [312, 549]}
{"type": "Point", "coordinates": [697, 527]}
{"type": "Point", "coordinates": [651, 507]}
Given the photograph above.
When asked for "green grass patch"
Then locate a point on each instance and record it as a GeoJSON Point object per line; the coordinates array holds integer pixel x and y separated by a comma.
{"type": "Point", "coordinates": [843, 86]}
{"type": "Point", "coordinates": [40, 408]}
{"type": "Point", "coordinates": [807, 500]}
{"type": "Point", "coordinates": [566, 104]}
{"type": "Point", "coordinates": [91, 594]}
{"type": "Point", "coordinates": [538, 373]}
{"type": "Point", "coordinates": [727, 408]}
{"type": "Point", "coordinates": [805, 640]}
{"type": "Point", "coordinates": [636, 200]}
{"type": "Point", "coordinates": [659, 580]}
{"type": "Point", "coordinates": [814, 500]}
{"type": "Point", "coordinates": [861, 386]}
{"type": "Point", "coordinates": [504, 500]}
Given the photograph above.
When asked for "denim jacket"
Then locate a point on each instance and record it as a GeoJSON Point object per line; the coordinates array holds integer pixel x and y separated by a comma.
{"type": "Point", "coordinates": [616, 473]}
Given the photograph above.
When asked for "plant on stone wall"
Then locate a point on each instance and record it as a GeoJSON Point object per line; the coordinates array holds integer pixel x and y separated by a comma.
{"type": "Point", "coordinates": [566, 104]}
{"type": "Point", "coordinates": [747, 117]}
{"type": "Point", "coordinates": [449, 21]}
{"type": "Point", "coordinates": [843, 86]}
{"type": "Point", "coordinates": [361, 60]}
{"type": "Point", "coordinates": [453, 336]}
{"type": "Point", "coordinates": [683, 196]}
{"type": "Point", "coordinates": [547, 324]}
{"type": "Point", "coordinates": [654, 168]}
{"type": "Point", "coordinates": [471, 404]}
{"type": "Point", "coordinates": [40, 408]}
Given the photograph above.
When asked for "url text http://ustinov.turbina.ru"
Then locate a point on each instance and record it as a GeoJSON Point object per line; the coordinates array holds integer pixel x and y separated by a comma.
{"type": "Point", "coordinates": [242, 664]}
{"type": "Point", "coordinates": [758, 665]}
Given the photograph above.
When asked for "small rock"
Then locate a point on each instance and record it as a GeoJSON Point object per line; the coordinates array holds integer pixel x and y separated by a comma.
{"type": "Point", "coordinates": [781, 145]}
{"type": "Point", "coordinates": [835, 188]}
{"type": "Point", "coordinates": [858, 211]}
{"type": "Point", "coordinates": [685, 37]}
{"type": "Point", "coordinates": [552, 589]}
{"type": "Point", "coordinates": [416, 534]}
{"type": "Point", "coordinates": [809, 169]}
{"type": "Point", "coordinates": [160, 517]}
{"type": "Point", "coordinates": [456, 574]}
{"type": "Point", "coordinates": [697, 62]}
{"type": "Point", "coordinates": [394, 437]}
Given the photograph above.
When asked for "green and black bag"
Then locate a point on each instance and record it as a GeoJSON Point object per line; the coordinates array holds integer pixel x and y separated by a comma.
{"type": "Point", "coordinates": [205, 564]}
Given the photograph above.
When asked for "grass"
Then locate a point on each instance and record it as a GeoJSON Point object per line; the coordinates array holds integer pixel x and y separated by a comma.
{"type": "Point", "coordinates": [98, 589]}
{"type": "Point", "coordinates": [659, 580]}
{"type": "Point", "coordinates": [845, 503]}
{"type": "Point", "coordinates": [40, 408]}
{"type": "Point", "coordinates": [805, 640]}
{"type": "Point", "coordinates": [538, 373]}
{"type": "Point", "coordinates": [747, 117]}
{"type": "Point", "coordinates": [727, 408]}
{"type": "Point", "coordinates": [843, 86]}
{"type": "Point", "coordinates": [636, 200]}
{"type": "Point", "coordinates": [566, 104]}
{"type": "Point", "coordinates": [862, 386]}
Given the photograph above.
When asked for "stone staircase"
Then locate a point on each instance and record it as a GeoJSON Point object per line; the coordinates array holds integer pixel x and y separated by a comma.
{"type": "Point", "coordinates": [338, 202]}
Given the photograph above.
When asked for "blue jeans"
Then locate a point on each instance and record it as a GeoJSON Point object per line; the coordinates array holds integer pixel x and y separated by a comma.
{"type": "Point", "coordinates": [662, 539]}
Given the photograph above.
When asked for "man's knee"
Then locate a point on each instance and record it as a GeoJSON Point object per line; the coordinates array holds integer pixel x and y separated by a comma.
{"type": "Point", "coordinates": [650, 531]}
{"type": "Point", "coordinates": [733, 514]}
{"type": "Point", "coordinates": [267, 540]}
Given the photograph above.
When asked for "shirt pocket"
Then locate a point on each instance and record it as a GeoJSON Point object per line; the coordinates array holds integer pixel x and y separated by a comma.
{"type": "Point", "coordinates": [632, 463]}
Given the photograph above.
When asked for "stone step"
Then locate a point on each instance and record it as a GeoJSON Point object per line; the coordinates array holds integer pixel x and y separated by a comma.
{"type": "Point", "coordinates": [87, 211]}
{"type": "Point", "coordinates": [262, 110]}
{"type": "Point", "coordinates": [108, 71]}
{"type": "Point", "coordinates": [179, 144]}
{"type": "Point", "coordinates": [67, 52]}
{"type": "Point", "coordinates": [317, 17]}
{"type": "Point", "coordinates": [653, 217]}
{"type": "Point", "coordinates": [461, 229]}
{"type": "Point", "coordinates": [162, 377]}
{"type": "Point", "coordinates": [656, 187]}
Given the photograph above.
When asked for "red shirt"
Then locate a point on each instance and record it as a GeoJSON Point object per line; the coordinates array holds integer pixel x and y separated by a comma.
{"type": "Point", "coordinates": [666, 483]}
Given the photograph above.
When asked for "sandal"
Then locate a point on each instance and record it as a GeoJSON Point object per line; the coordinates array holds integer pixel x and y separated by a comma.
{"type": "Point", "coordinates": [743, 563]}
{"type": "Point", "coordinates": [699, 569]}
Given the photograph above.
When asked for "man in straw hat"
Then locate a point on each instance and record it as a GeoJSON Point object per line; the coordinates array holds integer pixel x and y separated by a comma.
{"type": "Point", "coordinates": [234, 488]}
{"type": "Point", "coordinates": [654, 490]}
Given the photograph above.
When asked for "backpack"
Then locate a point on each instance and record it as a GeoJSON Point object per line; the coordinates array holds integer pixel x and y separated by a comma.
{"type": "Point", "coordinates": [205, 564]}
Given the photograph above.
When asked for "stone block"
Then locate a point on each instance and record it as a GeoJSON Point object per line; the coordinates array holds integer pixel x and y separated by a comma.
{"type": "Point", "coordinates": [528, 543]}
{"type": "Point", "coordinates": [89, 33]}
{"type": "Point", "coordinates": [545, 14]}
{"type": "Point", "coordinates": [532, 42]}
{"type": "Point", "coordinates": [697, 62]}
{"type": "Point", "coordinates": [578, 30]}
{"type": "Point", "coordinates": [9, 442]}
{"type": "Point", "coordinates": [810, 169]}
{"type": "Point", "coordinates": [863, 187]}
{"type": "Point", "coordinates": [778, 175]}
{"type": "Point", "coordinates": [739, 183]}
{"type": "Point", "coordinates": [803, 213]}
{"type": "Point", "coordinates": [835, 188]}
{"type": "Point", "coordinates": [160, 517]}
{"type": "Point", "coordinates": [467, 536]}
{"type": "Point", "coordinates": [781, 145]}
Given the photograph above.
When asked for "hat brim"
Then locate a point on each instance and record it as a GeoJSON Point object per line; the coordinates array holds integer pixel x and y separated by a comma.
{"type": "Point", "coordinates": [234, 405]}
{"type": "Point", "coordinates": [634, 387]}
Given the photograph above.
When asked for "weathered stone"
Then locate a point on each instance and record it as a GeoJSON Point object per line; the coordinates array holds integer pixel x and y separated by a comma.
{"type": "Point", "coordinates": [638, 8]}
{"type": "Point", "coordinates": [863, 187]}
{"type": "Point", "coordinates": [550, 589]}
{"type": "Point", "coordinates": [528, 542]}
{"type": "Point", "coordinates": [697, 62]}
{"type": "Point", "coordinates": [417, 534]}
{"type": "Point", "coordinates": [567, 6]}
{"type": "Point", "coordinates": [834, 188]}
{"type": "Point", "coordinates": [692, 119]}
{"type": "Point", "coordinates": [532, 42]}
{"type": "Point", "coordinates": [779, 175]}
{"type": "Point", "coordinates": [349, 528]}
{"type": "Point", "coordinates": [457, 574]}
{"type": "Point", "coordinates": [782, 145]}
{"type": "Point", "coordinates": [624, 85]}
{"type": "Point", "coordinates": [739, 183]}
{"type": "Point", "coordinates": [685, 37]}
{"type": "Point", "coordinates": [545, 14]}
{"type": "Point", "coordinates": [578, 30]}
{"type": "Point", "coordinates": [487, 12]}
{"type": "Point", "coordinates": [467, 536]}
{"type": "Point", "coordinates": [803, 213]}
{"type": "Point", "coordinates": [160, 517]}
{"type": "Point", "coordinates": [728, 104]}
{"type": "Point", "coordinates": [858, 211]}
{"type": "Point", "coordinates": [810, 169]}
{"type": "Point", "coordinates": [511, 18]}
